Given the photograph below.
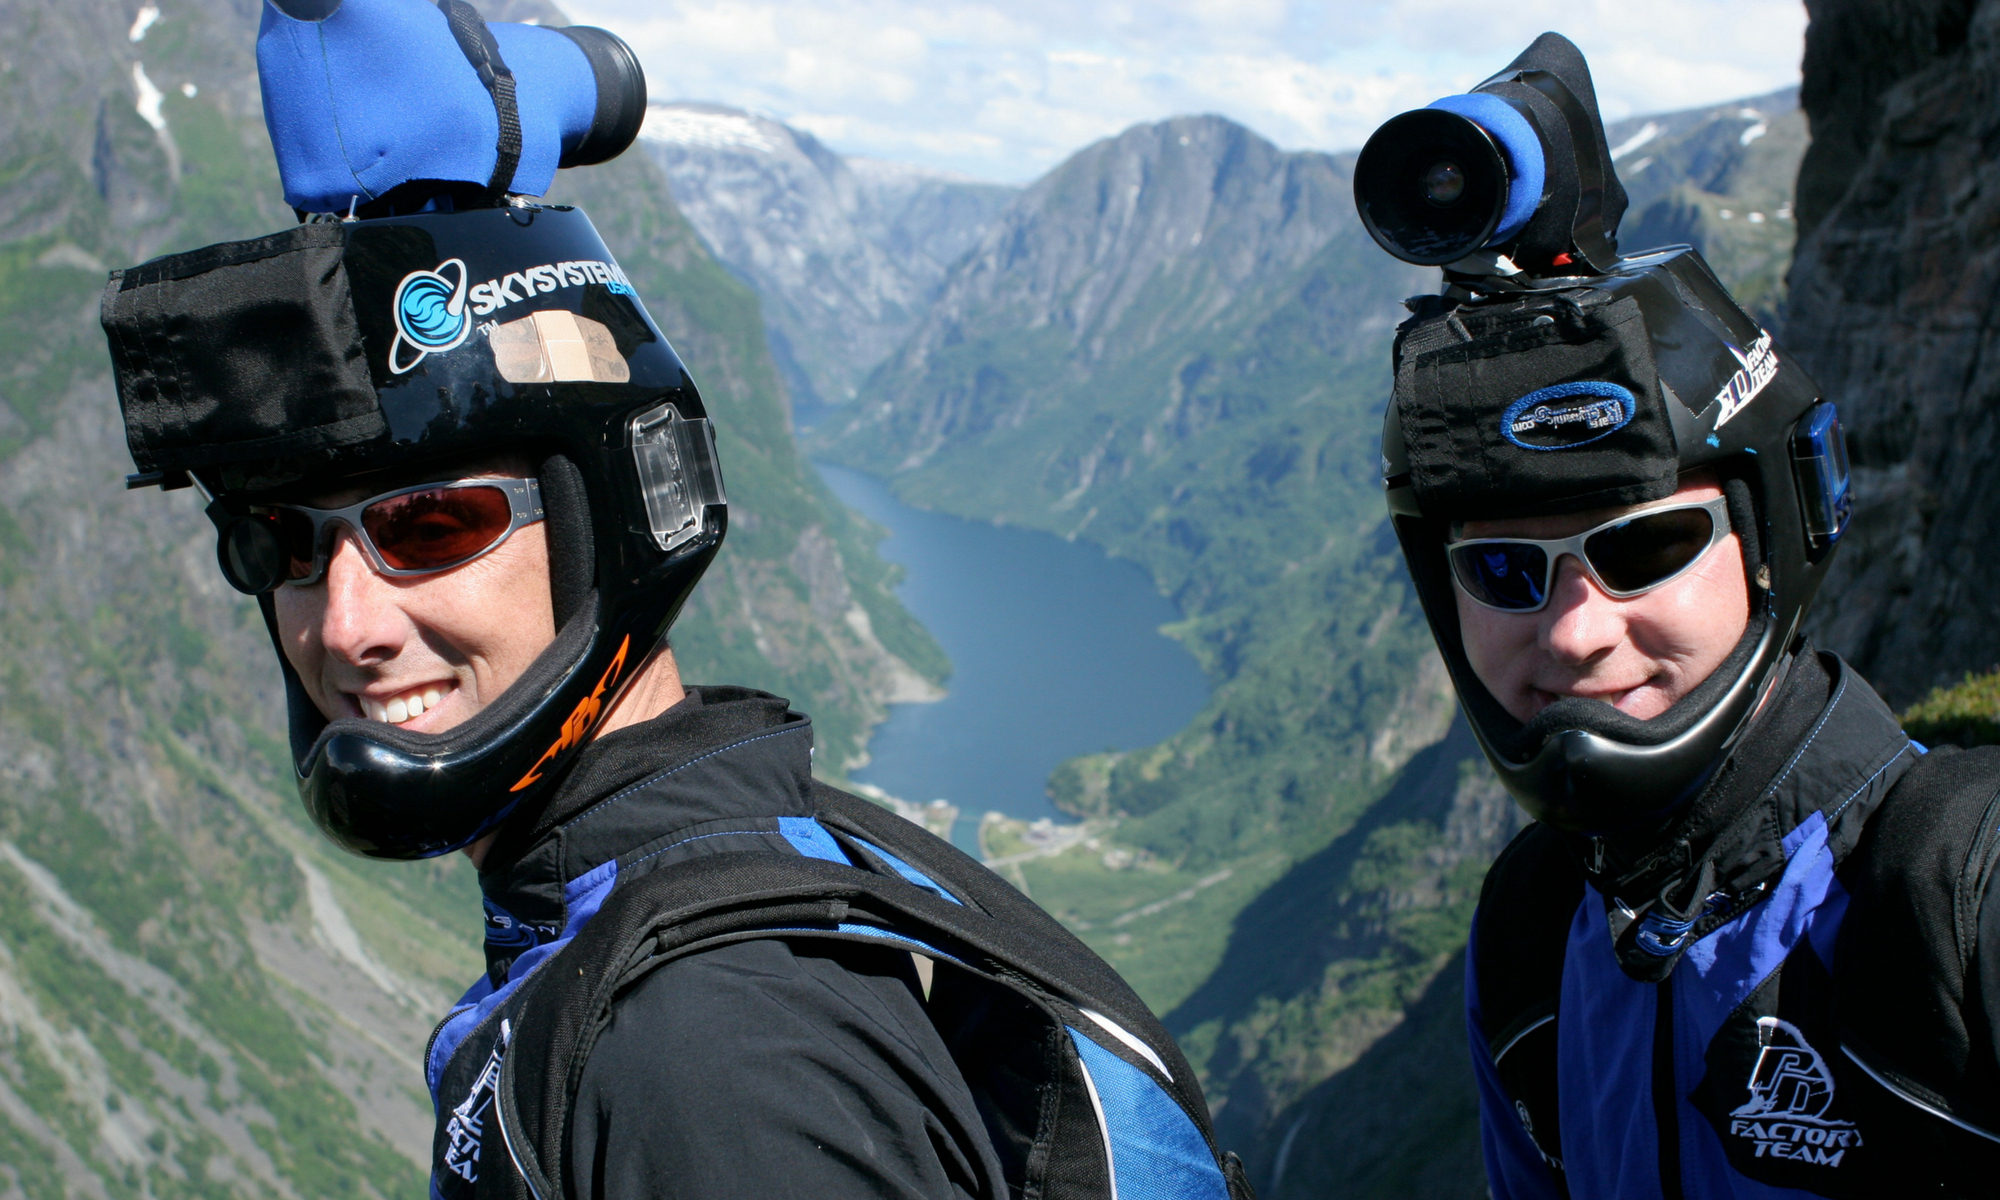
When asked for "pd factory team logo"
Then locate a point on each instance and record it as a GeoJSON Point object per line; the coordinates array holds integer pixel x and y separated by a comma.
{"type": "Point", "coordinates": [430, 315]}
{"type": "Point", "coordinates": [1791, 1091]}
{"type": "Point", "coordinates": [1756, 368]}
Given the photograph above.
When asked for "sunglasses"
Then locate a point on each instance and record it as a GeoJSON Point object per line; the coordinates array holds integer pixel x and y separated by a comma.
{"type": "Point", "coordinates": [1625, 557]}
{"type": "Point", "coordinates": [416, 530]}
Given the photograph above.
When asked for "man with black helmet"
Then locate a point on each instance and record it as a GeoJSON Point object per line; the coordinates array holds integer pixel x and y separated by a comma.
{"type": "Point", "coordinates": [1750, 947]}
{"type": "Point", "coordinates": [470, 584]}
{"type": "Point", "coordinates": [471, 485]}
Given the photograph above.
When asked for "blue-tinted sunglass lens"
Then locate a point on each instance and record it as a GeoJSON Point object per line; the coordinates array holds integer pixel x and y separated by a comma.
{"type": "Point", "coordinates": [1502, 574]}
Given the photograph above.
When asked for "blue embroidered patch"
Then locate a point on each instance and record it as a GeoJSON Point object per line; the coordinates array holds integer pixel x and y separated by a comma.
{"type": "Point", "coordinates": [1567, 415]}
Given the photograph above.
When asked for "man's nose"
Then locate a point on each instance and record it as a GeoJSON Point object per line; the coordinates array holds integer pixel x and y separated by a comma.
{"type": "Point", "coordinates": [1580, 621]}
{"type": "Point", "coordinates": [362, 624]}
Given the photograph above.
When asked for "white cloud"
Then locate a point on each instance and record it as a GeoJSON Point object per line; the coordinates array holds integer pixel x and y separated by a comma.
{"type": "Point", "coordinates": [1007, 90]}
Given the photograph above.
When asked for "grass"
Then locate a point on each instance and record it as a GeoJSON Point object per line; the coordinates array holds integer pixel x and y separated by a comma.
{"type": "Point", "coordinates": [1164, 928]}
{"type": "Point", "coordinates": [1965, 714]}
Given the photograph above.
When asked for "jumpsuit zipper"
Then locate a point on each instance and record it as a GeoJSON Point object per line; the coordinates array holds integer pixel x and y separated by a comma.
{"type": "Point", "coordinates": [1666, 1101]}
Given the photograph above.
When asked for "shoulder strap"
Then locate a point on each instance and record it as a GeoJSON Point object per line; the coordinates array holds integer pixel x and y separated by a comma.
{"type": "Point", "coordinates": [926, 900]}
{"type": "Point", "coordinates": [1525, 907]}
{"type": "Point", "coordinates": [1016, 929]}
{"type": "Point", "coordinates": [1905, 960]}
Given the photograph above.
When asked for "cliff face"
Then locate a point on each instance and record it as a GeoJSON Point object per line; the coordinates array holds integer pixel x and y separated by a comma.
{"type": "Point", "coordinates": [845, 254]}
{"type": "Point", "coordinates": [1894, 311]}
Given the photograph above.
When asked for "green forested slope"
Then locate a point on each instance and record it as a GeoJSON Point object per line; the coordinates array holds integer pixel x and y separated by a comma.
{"type": "Point", "coordinates": [197, 997]}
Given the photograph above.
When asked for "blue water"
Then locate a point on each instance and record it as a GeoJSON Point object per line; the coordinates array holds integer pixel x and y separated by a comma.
{"type": "Point", "coordinates": [1055, 650]}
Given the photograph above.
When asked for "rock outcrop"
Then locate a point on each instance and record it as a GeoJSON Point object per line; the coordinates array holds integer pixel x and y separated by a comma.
{"type": "Point", "coordinates": [1894, 310]}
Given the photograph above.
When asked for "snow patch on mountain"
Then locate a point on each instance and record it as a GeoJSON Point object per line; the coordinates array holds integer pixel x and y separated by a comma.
{"type": "Point", "coordinates": [149, 99]}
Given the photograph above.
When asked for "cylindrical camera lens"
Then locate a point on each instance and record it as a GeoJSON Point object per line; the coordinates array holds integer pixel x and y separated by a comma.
{"type": "Point", "coordinates": [621, 96]}
{"type": "Point", "coordinates": [1431, 186]}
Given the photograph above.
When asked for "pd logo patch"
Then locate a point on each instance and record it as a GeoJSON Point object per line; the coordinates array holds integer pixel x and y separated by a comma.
{"type": "Point", "coordinates": [1791, 1091]}
{"type": "Point", "coordinates": [1567, 415]}
{"type": "Point", "coordinates": [430, 315]}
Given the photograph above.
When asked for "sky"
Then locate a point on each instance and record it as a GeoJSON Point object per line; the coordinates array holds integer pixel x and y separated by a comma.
{"type": "Point", "coordinates": [1005, 89]}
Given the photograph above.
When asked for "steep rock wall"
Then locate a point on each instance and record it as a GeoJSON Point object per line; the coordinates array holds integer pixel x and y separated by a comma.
{"type": "Point", "coordinates": [1894, 311]}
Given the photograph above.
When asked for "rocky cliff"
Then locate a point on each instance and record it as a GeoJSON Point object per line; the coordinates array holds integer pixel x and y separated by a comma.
{"type": "Point", "coordinates": [1894, 311]}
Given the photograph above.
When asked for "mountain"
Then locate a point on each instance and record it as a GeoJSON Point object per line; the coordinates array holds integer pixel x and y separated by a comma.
{"type": "Point", "coordinates": [846, 253]}
{"type": "Point", "coordinates": [198, 996]}
{"type": "Point", "coordinates": [1893, 311]}
{"type": "Point", "coordinates": [1720, 178]}
{"type": "Point", "coordinates": [1172, 345]}
{"type": "Point", "coordinates": [1176, 345]}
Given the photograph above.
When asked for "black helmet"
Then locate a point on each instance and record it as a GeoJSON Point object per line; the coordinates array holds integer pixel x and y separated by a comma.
{"type": "Point", "coordinates": [1531, 397]}
{"type": "Point", "coordinates": [340, 347]}
{"type": "Point", "coordinates": [1553, 376]}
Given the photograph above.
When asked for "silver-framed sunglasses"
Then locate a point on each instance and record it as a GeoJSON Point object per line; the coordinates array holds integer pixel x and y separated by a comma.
{"type": "Point", "coordinates": [416, 530]}
{"type": "Point", "coordinates": [1626, 556]}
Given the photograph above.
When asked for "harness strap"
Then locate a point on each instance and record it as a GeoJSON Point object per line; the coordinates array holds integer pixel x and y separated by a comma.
{"type": "Point", "coordinates": [897, 886]}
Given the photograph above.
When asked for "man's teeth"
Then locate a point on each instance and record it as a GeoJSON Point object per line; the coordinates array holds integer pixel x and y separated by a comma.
{"type": "Point", "coordinates": [401, 709]}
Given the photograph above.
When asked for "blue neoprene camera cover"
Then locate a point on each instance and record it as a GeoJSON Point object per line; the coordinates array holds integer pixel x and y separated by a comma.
{"type": "Point", "coordinates": [378, 93]}
{"type": "Point", "coordinates": [1527, 163]}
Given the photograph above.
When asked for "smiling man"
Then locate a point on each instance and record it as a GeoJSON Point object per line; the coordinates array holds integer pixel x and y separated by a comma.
{"type": "Point", "coordinates": [471, 486]}
{"type": "Point", "coordinates": [709, 975]}
{"type": "Point", "coordinates": [1750, 946]}
{"type": "Point", "coordinates": [469, 559]}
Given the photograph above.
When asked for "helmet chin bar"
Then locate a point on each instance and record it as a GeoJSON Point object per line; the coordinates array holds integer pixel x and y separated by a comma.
{"type": "Point", "coordinates": [384, 792]}
{"type": "Point", "coordinates": [1583, 767]}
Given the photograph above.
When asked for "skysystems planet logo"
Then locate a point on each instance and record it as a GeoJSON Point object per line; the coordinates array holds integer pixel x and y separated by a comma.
{"type": "Point", "coordinates": [430, 315]}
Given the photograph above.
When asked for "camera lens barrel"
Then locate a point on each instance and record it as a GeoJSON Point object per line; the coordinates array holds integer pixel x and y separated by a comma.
{"type": "Point", "coordinates": [621, 96]}
{"type": "Point", "coordinates": [1435, 184]}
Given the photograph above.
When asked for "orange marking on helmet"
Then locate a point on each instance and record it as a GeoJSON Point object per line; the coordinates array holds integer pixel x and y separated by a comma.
{"type": "Point", "coordinates": [580, 718]}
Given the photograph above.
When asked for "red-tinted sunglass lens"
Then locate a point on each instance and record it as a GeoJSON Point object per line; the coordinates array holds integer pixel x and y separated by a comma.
{"type": "Point", "coordinates": [437, 527]}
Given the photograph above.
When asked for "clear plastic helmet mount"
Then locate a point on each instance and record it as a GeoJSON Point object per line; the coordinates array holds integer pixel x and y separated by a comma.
{"type": "Point", "coordinates": [339, 348]}
{"type": "Point", "coordinates": [1527, 397]}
